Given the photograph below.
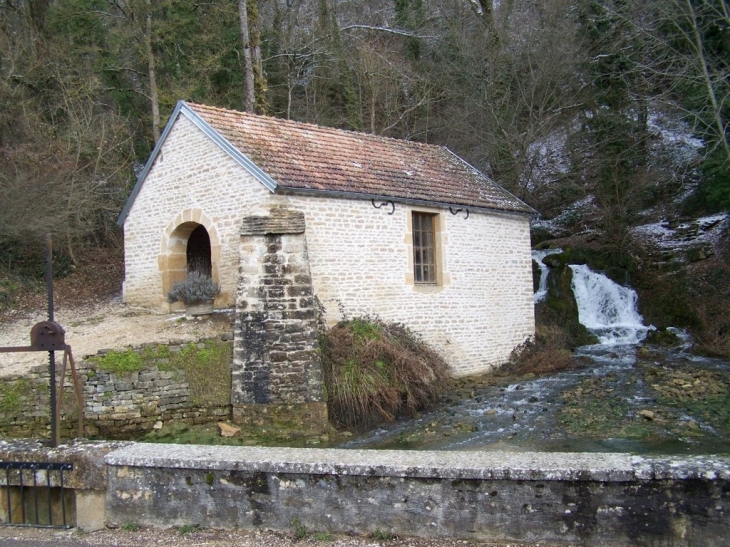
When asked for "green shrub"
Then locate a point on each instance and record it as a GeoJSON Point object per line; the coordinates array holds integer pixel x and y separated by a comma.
{"type": "Point", "coordinates": [375, 372]}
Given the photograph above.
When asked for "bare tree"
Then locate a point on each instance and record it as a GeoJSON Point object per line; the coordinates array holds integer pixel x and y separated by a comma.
{"type": "Point", "coordinates": [248, 69]}
{"type": "Point", "coordinates": [151, 72]}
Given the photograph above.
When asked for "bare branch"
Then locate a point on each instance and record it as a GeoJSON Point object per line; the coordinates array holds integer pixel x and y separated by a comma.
{"type": "Point", "coordinates": [380, 29]}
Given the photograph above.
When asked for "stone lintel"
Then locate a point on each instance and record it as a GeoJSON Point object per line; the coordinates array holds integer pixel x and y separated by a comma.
{"type": "Point", "coordinates": [280, 221]}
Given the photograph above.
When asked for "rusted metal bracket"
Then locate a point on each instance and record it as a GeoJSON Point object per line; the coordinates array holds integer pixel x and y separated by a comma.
{"type": "Point", "coordinates": [384, 203]}
{"type": "Point", "coordinates": [459, 211]}
{"type": "Point", "coordinates": [50, 336]}
{"type": "Point", "coordinates": [69, 358]}
{"type": "Point", "coordinates": [44, 336]}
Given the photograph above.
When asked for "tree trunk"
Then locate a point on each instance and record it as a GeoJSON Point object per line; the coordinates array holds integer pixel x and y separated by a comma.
{"type": "Point", "coordinates": [250, 100]}
{"type": "Point", "coordinates": [707, 80]}
{"type": "Point", "coordinates": [260, 86]}
{"type": "Point", "coordinates": [152, 76]}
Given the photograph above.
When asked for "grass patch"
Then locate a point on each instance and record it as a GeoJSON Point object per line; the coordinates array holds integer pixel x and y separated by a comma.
{"type": "Point", "coordinates": [130, 526]}
{"type": "Point", "coordinates": [382, 535]}
{"type": "Point", "coordinates": [207, 371]}
{"type": "Point", "coordinates": [206, 368]}
{"type": "Point", "coordinates": [8, 292]}
{"type": "Point", "coordinates": [323, 536]}
{"type": "Point", "coordinates": [10, 393]}
{"type": "Point", "coordinates": [375, 372]}
{"type": "Point", "coordinates": [119, 362]}
{"type": "Point", "coordinates": [300, 530]}
{"type": "Point", "coordinates": [188, 529]}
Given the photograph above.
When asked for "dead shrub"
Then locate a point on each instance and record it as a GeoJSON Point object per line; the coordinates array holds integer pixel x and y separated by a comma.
{"type": "Point", "coordinates": [375, 372]}
{"type": "Point", "coordinates": [547, 352]}
{"type": "Point", "coordinates": [713, 334]}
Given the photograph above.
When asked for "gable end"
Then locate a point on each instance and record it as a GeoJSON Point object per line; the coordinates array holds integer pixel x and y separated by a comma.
{"type": "Point", "coordinates": [217, 138]}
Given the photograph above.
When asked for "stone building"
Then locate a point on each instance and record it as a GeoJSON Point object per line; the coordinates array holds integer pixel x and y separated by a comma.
{"type": "Point", "coordinates": [280, 212]}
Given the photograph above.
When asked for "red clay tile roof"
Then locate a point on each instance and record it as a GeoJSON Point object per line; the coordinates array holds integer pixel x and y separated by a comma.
{"type": "Point", "coordinates": [300, 156]}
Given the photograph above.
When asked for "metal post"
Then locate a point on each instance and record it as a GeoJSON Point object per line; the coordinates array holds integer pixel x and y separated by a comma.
{"type": "Point", "coordinates": [51, 355]}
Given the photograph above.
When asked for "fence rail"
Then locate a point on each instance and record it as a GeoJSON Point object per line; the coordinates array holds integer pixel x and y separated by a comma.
{"type": "Point", "coordinates": [25, 483]}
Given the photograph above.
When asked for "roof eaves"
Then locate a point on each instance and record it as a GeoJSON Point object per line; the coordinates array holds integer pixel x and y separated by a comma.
{"type": "Point", "coordinates": [530, 210]}
{"type": "Point", "coordinates": [229, 148]}
{"type": "Point", "coordinates": [394, 199]}
{"type": "Point", "coordinates": [150, 162]}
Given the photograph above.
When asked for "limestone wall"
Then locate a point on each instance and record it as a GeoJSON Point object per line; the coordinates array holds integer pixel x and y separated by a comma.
{"type": "Point", "coordinates": [192, 181]}
{"type": "Point", "coordinates": [360, 256]}
{"type": "Point", "coordinates": [361, 263]}
{"type": "Point", "coordinates": [117, 404]}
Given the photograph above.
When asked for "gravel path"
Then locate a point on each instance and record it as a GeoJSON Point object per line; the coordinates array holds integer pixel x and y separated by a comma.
{"type": "Point", "coordinates": [34, 537]}
{"type": "Point", "coordinates": [103, 325]}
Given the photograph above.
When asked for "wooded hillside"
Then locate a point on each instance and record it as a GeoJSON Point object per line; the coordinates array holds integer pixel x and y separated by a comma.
{"type": "Point", "coordinates": [557, 100]}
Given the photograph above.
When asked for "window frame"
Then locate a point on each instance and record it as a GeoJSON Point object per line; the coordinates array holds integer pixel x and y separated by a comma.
{"type": "Point", "coordinates": [424, 241]}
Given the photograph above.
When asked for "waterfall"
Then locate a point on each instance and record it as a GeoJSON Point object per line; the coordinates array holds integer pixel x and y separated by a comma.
{"type": "Point", "coordinates": [537, 256]}
{"type": "Point", "coordinates": [607, 309]}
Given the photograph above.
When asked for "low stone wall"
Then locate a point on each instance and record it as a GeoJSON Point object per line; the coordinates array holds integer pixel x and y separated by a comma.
{"type": "Point", "coordinates": [125, 393]}
{"type": "Point", "coordinates": [584, 499]}
{"type": "Point", "coordinates": [588, 499]}
{"type": "Point", "coordinates": [85, 485]}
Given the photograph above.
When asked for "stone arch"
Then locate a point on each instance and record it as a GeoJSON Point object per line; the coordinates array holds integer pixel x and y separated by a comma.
{"type": "Point", "coordinates": [173, 258]}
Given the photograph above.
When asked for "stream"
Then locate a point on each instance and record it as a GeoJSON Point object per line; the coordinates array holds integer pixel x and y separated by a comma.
{"type": "Point", "coordinates": [621, 397]}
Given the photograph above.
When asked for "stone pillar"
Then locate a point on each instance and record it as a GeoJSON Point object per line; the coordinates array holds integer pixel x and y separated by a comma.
{"type": "Point", "coordinates": [277, 372]}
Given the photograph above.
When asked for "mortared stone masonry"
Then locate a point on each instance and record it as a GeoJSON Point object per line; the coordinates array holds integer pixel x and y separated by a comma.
{"type": "Point", "coordinates": [277, 372]}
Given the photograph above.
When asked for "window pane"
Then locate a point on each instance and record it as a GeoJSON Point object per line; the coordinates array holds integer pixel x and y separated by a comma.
{"type": "Point", "coordinates": [424, 248]}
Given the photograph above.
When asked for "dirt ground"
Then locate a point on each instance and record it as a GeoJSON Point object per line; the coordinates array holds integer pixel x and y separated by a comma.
{"type": "Point", "coordinates": [88, 305]}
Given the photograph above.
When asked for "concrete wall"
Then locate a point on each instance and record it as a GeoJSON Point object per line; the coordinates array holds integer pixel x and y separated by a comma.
{"type": "Point", "coordinates": [586, 499]}
{"type": "Point", "coordinates": [360, 256]}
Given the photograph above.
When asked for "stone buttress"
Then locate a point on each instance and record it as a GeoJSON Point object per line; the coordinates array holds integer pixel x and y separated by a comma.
{"type": "Point", "coordinates": [276, 370]}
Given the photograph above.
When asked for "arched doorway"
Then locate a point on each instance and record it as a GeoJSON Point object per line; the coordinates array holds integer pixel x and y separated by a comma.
{"type": "Point", "coordinates": [198, 251]}
{"type": "Point", "coordinates": [190, 243]}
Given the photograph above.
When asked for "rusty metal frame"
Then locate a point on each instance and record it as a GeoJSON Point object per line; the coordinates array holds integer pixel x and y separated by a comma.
{"type": "Point", "coordinates": [34, 467]}
{"type": "Point", "coordinates": [54, 333]}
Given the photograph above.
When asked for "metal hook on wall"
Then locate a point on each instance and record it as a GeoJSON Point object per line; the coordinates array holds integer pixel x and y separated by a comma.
{"type": "Point", "coordinates": [459, 211]}
{"type": "Point", "coordinates": [388, 202]}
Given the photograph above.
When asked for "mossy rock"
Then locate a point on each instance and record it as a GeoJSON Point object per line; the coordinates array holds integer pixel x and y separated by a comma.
{"type": "Point", "coordinates": [561, 308]}
{"type": "Point", "coordinates": [662, 337]}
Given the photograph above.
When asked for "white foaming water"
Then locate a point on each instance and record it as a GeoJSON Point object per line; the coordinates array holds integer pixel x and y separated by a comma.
{"type": "Point", "coordinates": [607, 309]}
{"type": "Point", "coordinates": [537, 256]}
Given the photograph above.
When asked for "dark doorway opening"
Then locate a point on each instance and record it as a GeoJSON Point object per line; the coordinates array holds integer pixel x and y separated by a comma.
{"type": "Point", "coordinates": [198, 251]}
